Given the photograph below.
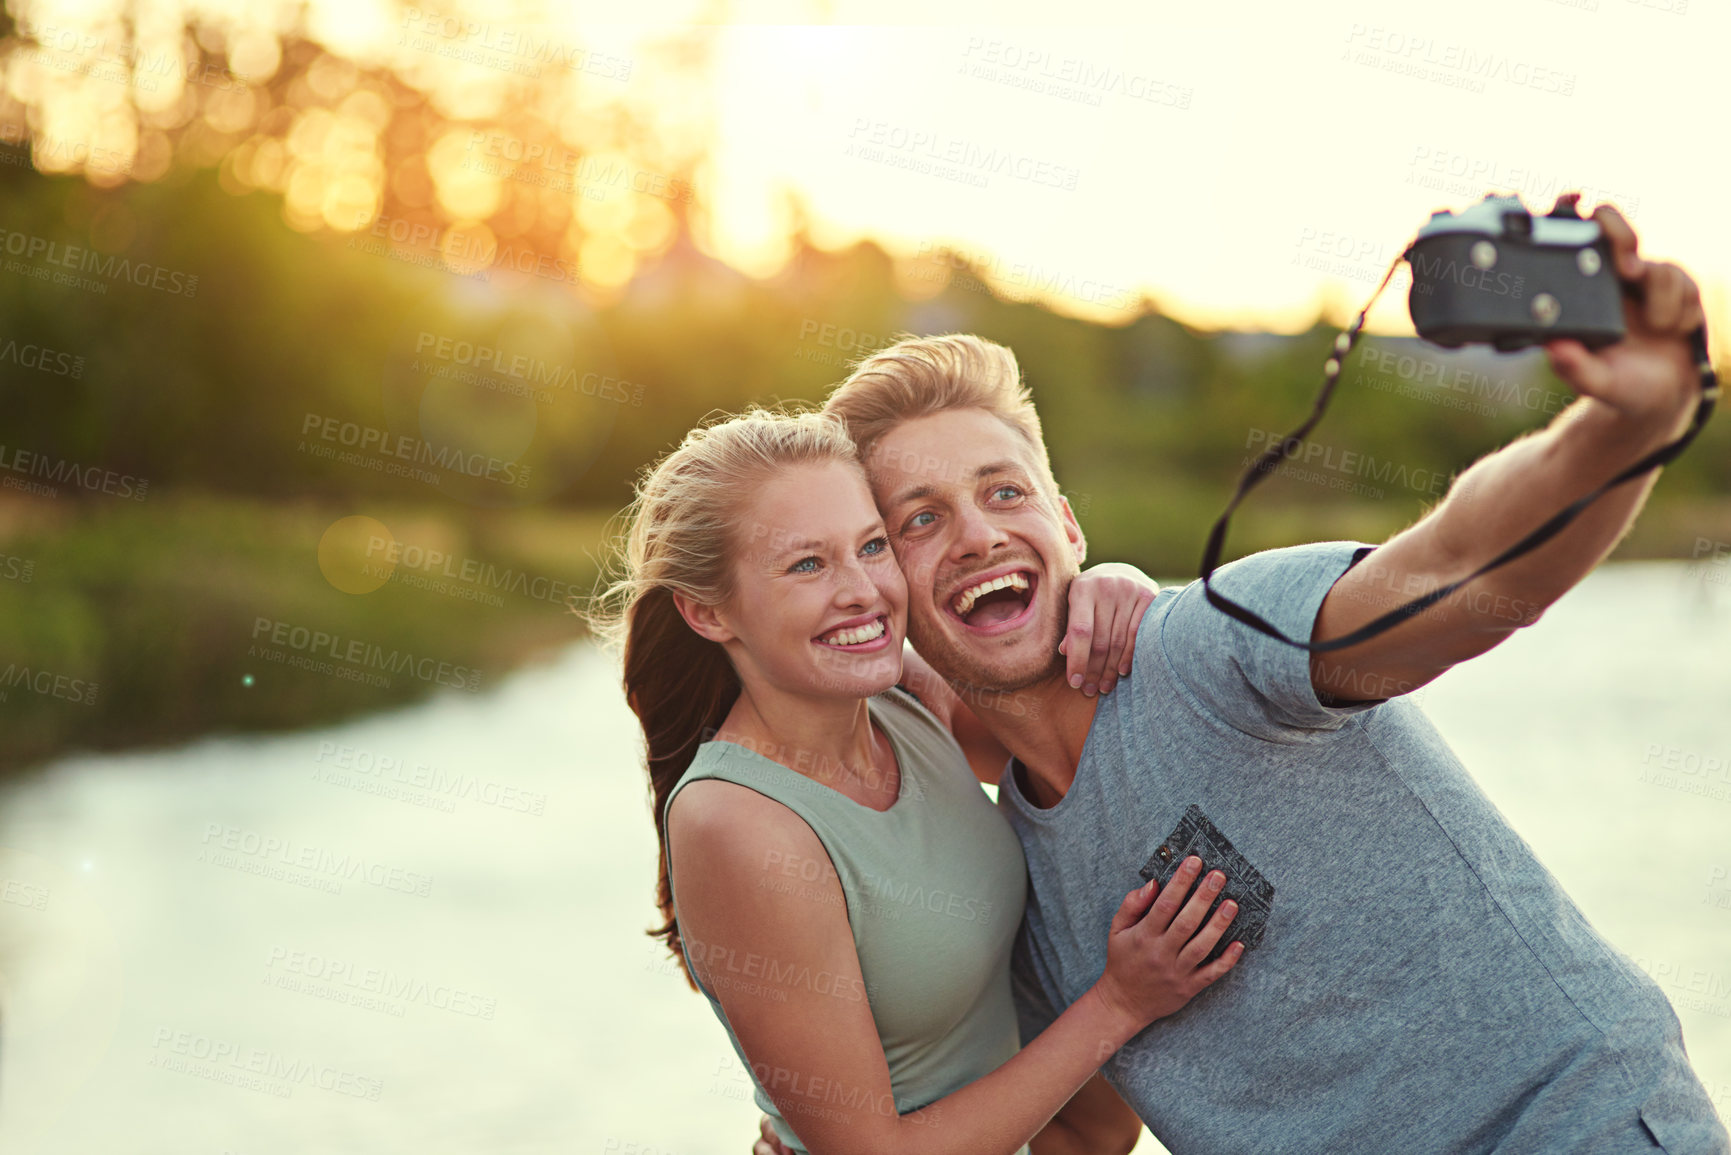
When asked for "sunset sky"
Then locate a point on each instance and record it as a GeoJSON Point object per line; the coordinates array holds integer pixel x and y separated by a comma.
{"type": "Point", "coordinates": [1241, 163]}
{"type": "Point", "coordinates": [1276, 153]}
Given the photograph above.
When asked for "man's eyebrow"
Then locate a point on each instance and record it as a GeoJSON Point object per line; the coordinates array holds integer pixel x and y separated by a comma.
{"type": "Point", "coordinates": [914, 494]}
{"type": "Point", "coordinates": [926, 489]}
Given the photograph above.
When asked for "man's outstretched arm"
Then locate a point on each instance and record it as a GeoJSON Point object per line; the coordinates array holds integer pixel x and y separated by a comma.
{"type": "Point", "coordinates": [1635, 396]}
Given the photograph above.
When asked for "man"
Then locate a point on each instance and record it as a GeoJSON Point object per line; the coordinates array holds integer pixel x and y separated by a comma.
{"type": "Point", "coordinates": [1422, 983]}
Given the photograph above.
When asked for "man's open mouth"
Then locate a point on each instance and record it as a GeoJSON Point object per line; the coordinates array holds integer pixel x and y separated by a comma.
{"type": "Point", "coordinates": [995, 600]}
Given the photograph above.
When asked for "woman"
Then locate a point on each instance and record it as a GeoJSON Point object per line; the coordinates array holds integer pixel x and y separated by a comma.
{"type": "Point", "coordinates": [847, 896]}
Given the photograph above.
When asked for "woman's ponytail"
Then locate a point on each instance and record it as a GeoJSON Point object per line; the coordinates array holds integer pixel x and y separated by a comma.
{"type": "Point", "coordinates": [680, 537]}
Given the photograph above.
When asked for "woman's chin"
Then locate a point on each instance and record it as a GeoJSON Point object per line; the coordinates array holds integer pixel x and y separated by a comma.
{"type": "Point", "coordinates": [844, 675]}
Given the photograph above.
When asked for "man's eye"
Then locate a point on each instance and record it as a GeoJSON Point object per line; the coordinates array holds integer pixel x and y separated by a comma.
{"type": "Point", "coordinates": [876, 546]}
{"type": "Point", "coordinates": [804, 565]}
{"type": "Point", "coordinates": [915, 521]}
{"type": "Point", "coordinates": [1014, 491]}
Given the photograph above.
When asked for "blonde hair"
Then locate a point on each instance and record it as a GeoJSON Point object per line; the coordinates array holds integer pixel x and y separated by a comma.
{"type": "Point", "coordinates": [918, 376]}
{"type": "Point", "coordinates": [679, 538]}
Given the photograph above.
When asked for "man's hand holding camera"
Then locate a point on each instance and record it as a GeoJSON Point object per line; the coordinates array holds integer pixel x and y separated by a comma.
{"type": "Point", "coordinates": [1636, 395]}
{"type": "Point", "coordinates": [1645, 385]}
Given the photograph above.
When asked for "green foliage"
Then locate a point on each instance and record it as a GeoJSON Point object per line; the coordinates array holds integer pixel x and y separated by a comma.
{"type": "Point", "coordinates": [204, 400]}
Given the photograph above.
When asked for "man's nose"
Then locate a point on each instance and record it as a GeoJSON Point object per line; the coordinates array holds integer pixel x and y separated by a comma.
{"type": "Point", "coordinates": [977, 534]}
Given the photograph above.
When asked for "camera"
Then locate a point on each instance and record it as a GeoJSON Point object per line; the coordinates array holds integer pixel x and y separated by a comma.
{"type": "Point", "coordinates": [1495, 274]}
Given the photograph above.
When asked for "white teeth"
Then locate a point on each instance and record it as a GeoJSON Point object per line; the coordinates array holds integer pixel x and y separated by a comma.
{"type": "Point", "coordinates": [966, 599]}
{"type": "Point", "coordinates": [856, 635]}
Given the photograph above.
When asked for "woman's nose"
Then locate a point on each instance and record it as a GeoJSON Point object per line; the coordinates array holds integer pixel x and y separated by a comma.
{"type": "Point", "coordinates": [853, 584]}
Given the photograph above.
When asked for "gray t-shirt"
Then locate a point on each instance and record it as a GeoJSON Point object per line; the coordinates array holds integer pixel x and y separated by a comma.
{"type": "Point", "coordinates": [1423, 983]}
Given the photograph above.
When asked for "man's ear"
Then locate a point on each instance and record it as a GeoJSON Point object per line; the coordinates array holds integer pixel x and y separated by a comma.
{"type": "Point", "coordinates": [1072, 529]}
{"type": "Point", "coordinates": [706, 621]}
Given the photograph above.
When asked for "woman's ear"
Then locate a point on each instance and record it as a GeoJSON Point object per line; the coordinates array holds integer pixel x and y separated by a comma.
{"type": "Point", "coordinates": [705, 620]}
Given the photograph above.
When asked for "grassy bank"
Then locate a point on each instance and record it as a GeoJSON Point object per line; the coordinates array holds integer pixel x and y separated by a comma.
{"type": "Point", "coordinates": [128, 624]}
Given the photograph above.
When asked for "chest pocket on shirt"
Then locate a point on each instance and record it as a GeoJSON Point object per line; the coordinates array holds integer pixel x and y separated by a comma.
{"type": "Point", "coordinates": [1195, 834]}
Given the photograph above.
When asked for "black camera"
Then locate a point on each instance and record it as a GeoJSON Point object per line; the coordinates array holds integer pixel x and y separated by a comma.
{"type": "Point", "coordinates": [1497, 275]}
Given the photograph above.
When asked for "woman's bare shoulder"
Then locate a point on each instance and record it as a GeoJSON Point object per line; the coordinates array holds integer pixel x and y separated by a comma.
{"type": "Point", "coordinates": [726, 824]}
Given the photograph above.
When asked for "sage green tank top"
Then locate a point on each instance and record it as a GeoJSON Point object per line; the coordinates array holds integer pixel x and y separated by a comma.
{"type": "Point", "coordinates": [934, 888]}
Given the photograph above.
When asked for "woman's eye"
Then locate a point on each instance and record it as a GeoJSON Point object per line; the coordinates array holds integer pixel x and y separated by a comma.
{"type": "Point", "coordinates": [876, 546]}
{"type": "Point", "coordinates": [804, 565]}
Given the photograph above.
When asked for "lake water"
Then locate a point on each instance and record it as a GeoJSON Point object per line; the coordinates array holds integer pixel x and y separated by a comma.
{"type": "Point", "coordinates": [421, 932]}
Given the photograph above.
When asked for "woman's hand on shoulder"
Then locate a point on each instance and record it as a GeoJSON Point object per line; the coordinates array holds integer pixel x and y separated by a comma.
{"type": "Point", "coordinates": [1107, 602]}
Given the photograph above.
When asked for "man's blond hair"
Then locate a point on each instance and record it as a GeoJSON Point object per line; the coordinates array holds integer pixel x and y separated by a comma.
{"type": "Point", "coordinates": [918, 376]}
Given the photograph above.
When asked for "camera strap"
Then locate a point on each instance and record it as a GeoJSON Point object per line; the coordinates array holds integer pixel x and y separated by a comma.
{"type": "Point", "coordinates": [1292, 442]}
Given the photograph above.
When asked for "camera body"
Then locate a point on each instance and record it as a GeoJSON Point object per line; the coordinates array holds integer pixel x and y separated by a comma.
{"type": "Point", "coordinates": [1497, 275]}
